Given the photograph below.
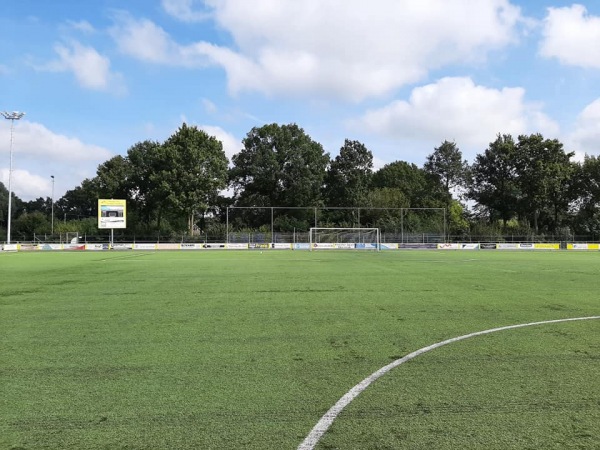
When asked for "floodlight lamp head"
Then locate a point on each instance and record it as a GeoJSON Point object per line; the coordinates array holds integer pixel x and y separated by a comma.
{"type": "Point", "coordinates": [15, 115]}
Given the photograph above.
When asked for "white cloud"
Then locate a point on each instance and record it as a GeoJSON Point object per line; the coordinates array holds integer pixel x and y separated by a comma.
{"type": "Point", "coordinates": [586, 135]}
{"type": "Point", "coordinates": [27, 185]}
{"type": "Point", "coordinates": [231, 145]}
{"type": "Point", "coordinates": [458, 110]}
{"type": "Point", "coordinates": [90, 68]}
{"type": "Point", "coordinates": [34, 140]}
{"type": "Point", "coordinates": [348, 49]}
{"type": "Point", "coordinates": [83, 26]}
{"type": "Point", "coordinates": [185, 10]}
{"type": "Point", "coordinates": [352, 48]}
{"type": "Point", "coordinates": [572, 35]}
{"type": "Point", "coordinates": [209, 106]}
{"type": "Point", "coordinates": [39, 152]}
{"type": "Point", "coordinates": [146, 41]}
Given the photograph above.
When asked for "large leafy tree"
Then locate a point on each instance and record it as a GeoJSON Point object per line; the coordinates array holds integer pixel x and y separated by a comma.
{"type": "Point", "coordinates": [447, 165]}
{"type": "Point", "coordinates": [587, 192]}
{"type": "Point", "coordinates": [148, 194]}
{"type": "Point", "coordinates": [280, 165]}
{"type": "Point", "coordinates": [412, 182]}
{"type": "Point", "coordinates": [349, 175]}
{"type": "Point", "coordinates": [113, 178]}
{"type": "Point", "coordinates": [544, 174]}
{"type": "Point", "coordinates": [194, 172]}
{"type": "Point", "coordinates": [494, 180]}
{"type": "Point", "coordinates": [80, 202]}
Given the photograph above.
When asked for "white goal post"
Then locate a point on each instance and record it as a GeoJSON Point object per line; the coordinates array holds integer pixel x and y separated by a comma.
{"type": "Point", "coordinates": [345, 239]}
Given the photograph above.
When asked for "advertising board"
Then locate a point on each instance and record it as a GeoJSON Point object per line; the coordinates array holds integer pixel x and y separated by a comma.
{"type": "Point", "coordinates": [73, 247]}
{"type": "Point", "coordinates": [189, 246]}
{"type": "Point", "coordinates": [448, 246]}
{"type": "Point", "coordinates": [144, 246]}
{"type": "Point", "coordinates": [302, 246]}
{"type": "Point", "coordinates": [259, 246]}
{"type": "Point", "coordinates": [281, 246]}
{"type": "Point", "coordinates": [213, 246]}
{"type": "Point", "coordinates": [469, 246]}
{"type": "Point", "coordinates": [487, 246]}
{"type": "Point", "coordinates": [50, 247]}
{"type": "Point", "coordinates": [168, 246]}
{"type": "Point", "coordinates": [547, 246]}
{"type": "Point", "coordinates": [417, 246]}
{"type": "Point", "coordinates": [324, 245]}
{"type": "Point", "coordinates": [237, 246]}
{"type": "Point", "coordinates": [112, 214]}
{"type": "Point", "coordinates": [389, 246]}
{"type": "Point", "coordinates": [122, 246]}
{"type": "Point", "coordinates": [29, 247]}
{"type": "Point", "coordinates": [508, 246]}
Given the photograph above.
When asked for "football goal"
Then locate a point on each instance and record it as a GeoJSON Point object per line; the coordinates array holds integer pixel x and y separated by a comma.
{"type": "Point", "coordinates": [345, 238]}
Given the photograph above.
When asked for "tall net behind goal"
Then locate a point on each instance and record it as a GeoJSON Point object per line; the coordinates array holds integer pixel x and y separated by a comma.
{"type": "Point", "coordinates": [345, 238]}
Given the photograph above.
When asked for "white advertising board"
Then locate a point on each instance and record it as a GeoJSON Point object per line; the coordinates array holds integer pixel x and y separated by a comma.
{"type": "Point", "coordinates": [504, 246]}
{"type": "Point", "coordinates": [144, 246]}
{"type": "Point", "coordinates": [324, 245]}
{"type": "Point", "coordinates": [237, 246]}
{"type": "Point", "coordinates": [448, 246]}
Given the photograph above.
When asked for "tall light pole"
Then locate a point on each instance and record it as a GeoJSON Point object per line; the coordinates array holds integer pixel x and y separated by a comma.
{"type": "Point", "coordinates": [12, 116]}
{"type": "Point", "coordinates": [52, 176]}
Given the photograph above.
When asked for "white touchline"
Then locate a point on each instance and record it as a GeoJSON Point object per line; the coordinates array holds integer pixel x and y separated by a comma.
{"type": "Point", "coordinates": [325, 422]}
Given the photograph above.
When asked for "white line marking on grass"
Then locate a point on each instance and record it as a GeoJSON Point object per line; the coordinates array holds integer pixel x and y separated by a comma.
{"type": "Point", "coordinates": [325, 422]}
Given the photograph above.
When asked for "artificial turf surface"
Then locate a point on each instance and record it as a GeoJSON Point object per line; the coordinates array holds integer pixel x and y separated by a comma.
{"type": "Point", "coordinates": [243, 349]}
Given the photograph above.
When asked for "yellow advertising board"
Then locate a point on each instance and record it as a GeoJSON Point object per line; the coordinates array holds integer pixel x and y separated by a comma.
{"type": "Point", "coordinates": [112, 214]}
{"type": "Point", "coordinates": [546, 246]}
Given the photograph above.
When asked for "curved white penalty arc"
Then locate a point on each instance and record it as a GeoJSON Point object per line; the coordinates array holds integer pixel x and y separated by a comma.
{"type": "Point", "coordinates": [325, 422]}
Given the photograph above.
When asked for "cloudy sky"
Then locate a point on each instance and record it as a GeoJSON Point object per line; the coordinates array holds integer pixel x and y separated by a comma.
{"type": "Point", "coordinates": [401, 76]}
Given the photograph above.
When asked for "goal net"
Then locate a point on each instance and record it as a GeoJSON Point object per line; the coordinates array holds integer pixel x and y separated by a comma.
{"type": "Point", "coordinates": [345, 238]}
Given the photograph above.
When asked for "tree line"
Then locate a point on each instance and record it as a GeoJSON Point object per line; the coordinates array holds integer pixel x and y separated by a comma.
{"type": "Point", "coordinates": [529, 185]}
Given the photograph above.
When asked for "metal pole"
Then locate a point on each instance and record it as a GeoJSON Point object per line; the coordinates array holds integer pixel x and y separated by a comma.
{"type": "Point", "coordinates": [227, 226]}
{"type": "Point", "coordinates": [272, 238]}
{"type": "Point", "coordinates": [402, 225]}
{"type": "Point", "coordinates": [12, 117]}
{"type": "Point", "coordinates": [52, 176]}
{"type": "Point", "coordinates": [445, 238]}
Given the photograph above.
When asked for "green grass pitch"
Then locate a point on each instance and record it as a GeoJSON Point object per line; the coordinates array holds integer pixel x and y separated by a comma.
{"type": "Point", "coordinates": [232, 349]}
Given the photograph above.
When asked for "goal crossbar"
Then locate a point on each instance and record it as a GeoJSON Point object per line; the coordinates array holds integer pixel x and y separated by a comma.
{"type": "Point", "coordinates": [344, 238]}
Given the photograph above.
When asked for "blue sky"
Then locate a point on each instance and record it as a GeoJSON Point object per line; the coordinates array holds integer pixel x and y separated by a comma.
{"type": "Point", "coordinates": [401, 76]}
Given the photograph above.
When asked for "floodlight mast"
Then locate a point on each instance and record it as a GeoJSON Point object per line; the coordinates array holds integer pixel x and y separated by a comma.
{"type": "Point", "coordinates": [12, 116]}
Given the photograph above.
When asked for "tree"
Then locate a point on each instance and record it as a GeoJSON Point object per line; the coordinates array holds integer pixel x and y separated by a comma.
{"type": "Point", "coordinates": [148, 195]}
{"type": "Point", "coordinates": [494, 180]}
{"type": "Point", "coordinates": [544, 173]}
{"type": "Point", "coordinates": [29, 224]}
{"type": "Point", "coordinates": [416, 186]}
{"type": "Point", "coordinates": [113, 178]}
{"type": "Point", "coordinates": [194, 172]}
{"type": "Point", "coordinates": [446, 165]}
{"type": "Point", "coordinates": [17, 206]}
{"type": "Point", "coordinates": [280, 165]}
{"type": "Point", "coordinates": [81, 202]}
{"type": "Point", "coordinates": [349, 176]}
{"type": "Point", "coordinates": [587, 191]}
